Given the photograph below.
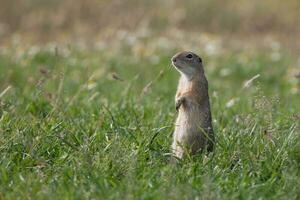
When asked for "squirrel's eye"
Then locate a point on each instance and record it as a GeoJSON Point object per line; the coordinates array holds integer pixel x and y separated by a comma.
{"type": "Point", "coordinates": [189, 56]}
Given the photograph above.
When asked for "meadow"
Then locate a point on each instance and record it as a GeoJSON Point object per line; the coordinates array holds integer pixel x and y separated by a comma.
{"type": "Point", "coordinates": [79, 123]}
{"type": "Point", "coordinates": [87, 105]}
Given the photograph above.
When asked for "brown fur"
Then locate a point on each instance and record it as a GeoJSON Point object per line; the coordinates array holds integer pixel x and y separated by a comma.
{"type": "Point", "coordinates": [193, 128]}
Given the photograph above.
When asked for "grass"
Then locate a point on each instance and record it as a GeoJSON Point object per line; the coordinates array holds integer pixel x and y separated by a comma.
{"type": "Point", "coordinates": [97, 124]}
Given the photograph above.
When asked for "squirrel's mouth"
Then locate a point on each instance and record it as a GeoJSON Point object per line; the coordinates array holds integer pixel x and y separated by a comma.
{"type": "Point", "coordinates": [176, 65]}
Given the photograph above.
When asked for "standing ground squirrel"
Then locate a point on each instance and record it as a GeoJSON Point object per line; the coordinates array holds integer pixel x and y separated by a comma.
{"type": "Point", "coordinates": [193, 128]}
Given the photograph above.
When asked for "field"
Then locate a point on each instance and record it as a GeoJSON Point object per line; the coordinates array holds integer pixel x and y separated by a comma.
{"type": "Point", "coordinates": [91, 116]}
{"type": "Point", "coordinates": [79, 123]}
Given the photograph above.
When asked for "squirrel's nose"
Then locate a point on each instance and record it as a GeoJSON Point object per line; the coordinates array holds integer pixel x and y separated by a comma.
{"type": "Point", "coordinates": [173, 59]}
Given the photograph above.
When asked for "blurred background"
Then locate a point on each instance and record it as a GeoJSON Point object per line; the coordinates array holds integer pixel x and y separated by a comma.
{"type": "Point", "coordinates": [42, 21]}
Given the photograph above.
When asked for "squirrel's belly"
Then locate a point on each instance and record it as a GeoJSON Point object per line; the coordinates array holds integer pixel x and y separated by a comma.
{"type": "Point", "coordinates": [188, 132]}
{"type": "Point", "coordinates": [188, 125]}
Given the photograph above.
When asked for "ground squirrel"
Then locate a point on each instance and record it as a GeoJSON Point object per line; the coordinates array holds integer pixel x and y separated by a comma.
{"type": "Point", "coordinates": [193, 128]}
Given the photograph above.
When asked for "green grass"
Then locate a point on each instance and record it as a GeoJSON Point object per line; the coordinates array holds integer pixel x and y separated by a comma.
{"type": "Point", "coordinates": [68, 130]}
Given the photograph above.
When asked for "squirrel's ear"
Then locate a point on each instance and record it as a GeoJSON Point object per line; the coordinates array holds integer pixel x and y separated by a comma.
{"type": "Point", "coordinates": [200, 60]}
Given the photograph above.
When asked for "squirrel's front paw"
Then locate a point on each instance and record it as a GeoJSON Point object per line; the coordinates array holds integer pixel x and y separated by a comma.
{"type": "Point", "coordinates": [179, 102]}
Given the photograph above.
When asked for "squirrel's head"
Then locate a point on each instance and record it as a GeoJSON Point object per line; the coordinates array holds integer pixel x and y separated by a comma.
{"type": "Point", "coordinates": [187, 63]}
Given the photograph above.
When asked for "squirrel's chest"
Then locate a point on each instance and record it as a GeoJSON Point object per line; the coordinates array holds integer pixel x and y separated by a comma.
{"type": "Point", "coordinates": [187, 88]}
